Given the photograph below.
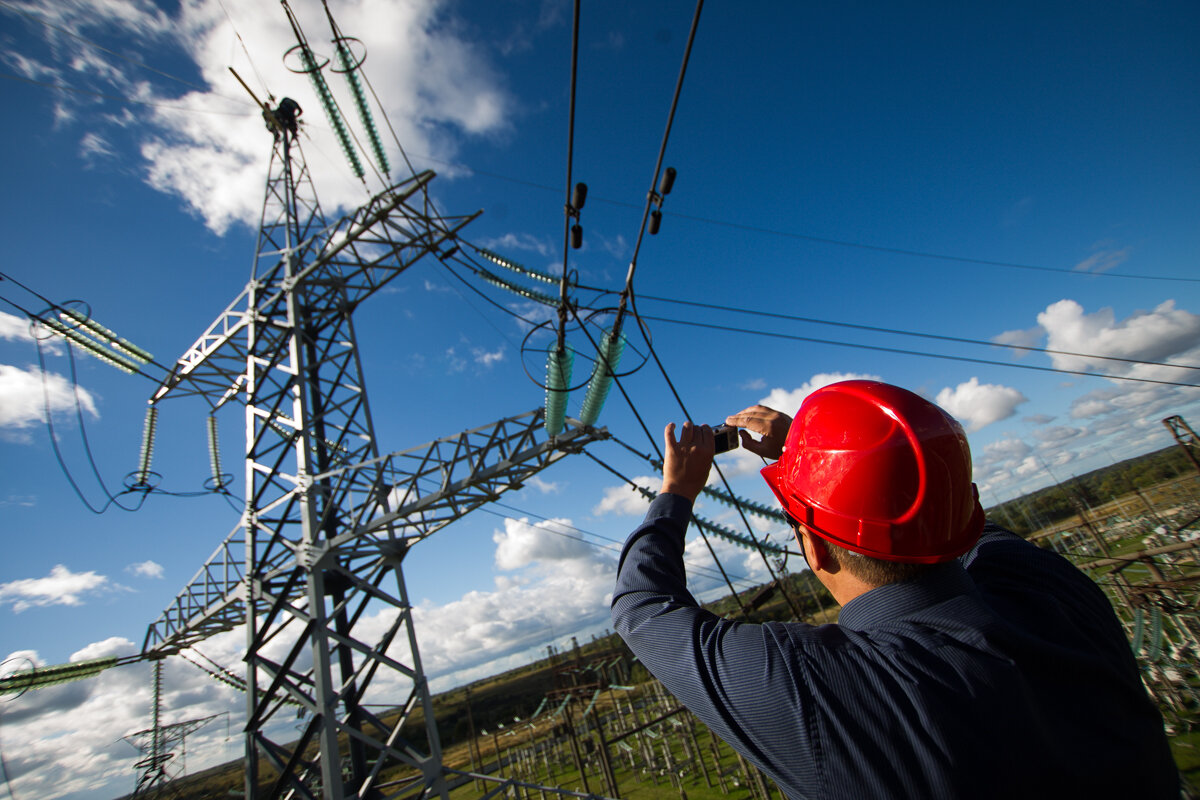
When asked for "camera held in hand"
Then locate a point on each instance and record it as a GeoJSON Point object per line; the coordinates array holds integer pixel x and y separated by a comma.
{"type": "Point", "coordinates": [725, 437]}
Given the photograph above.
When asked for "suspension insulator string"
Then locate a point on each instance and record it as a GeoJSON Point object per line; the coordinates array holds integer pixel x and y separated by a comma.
{"type": "Point", "coordinates": [607, 359]}
{"type": "Point", "coordinates": [214, 451]}
{"type": "Point", "coordinates": [148, 430]}
{"type": "Point", "coordinates": [559, 365]}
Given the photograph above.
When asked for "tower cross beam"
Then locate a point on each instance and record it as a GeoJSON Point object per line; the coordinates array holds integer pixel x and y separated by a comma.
{"type": "Point", "coordinates": [215, 365]}
{"type": "Point", "coordinates": [212, 602]}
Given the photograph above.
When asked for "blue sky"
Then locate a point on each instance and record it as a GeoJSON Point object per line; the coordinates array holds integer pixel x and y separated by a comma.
{"type": "Point", "coordinates": [1019, 174]}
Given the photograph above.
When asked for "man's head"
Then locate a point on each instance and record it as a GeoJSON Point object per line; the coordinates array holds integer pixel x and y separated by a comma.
{"type": "Point", "coordinates": [879, 471]}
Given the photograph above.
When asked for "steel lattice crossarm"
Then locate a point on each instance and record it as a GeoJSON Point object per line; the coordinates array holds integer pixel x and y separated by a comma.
{"type": "Point", "coordinates": [424, 489]}
{"type": "Point", "coordinates": [342, 265]}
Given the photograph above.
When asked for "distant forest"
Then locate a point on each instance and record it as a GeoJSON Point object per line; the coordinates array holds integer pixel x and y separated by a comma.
{"type": "Point", "coordinates": [1056, 503]}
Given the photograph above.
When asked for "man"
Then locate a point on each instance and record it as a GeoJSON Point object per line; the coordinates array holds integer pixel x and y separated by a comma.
{"type": "Point", "coordinates": [966, 662]}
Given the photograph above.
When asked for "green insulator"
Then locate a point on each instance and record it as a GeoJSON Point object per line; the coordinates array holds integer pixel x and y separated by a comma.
{"type": "Point", "coordinates": [1154, 650]}
{"type": "Point", "coordinates": [520, 291]}
{"type": "Point", "coordinates": [611, 348]}
{"type": "Point", "coordinates": [331, 110]}
{"type": "Point", "coordinates": [360, 100]}
{"type": "Point", "coordinates": [749, 505]}
{"type": "Point", "coordinates": [90, 346]}
{"type": "Point", "coordinates": [148, 430]}
{"type": "Point", "coordinates": [509, 264]}
{"type": "Point", "coordinates": [1139, 630]}
{"type": "Point", "coordinates": [559, 365]}
{"type": "Point", "coordinates": [214, 449]}
{"type": "Point", "coordinates": [105, 334]}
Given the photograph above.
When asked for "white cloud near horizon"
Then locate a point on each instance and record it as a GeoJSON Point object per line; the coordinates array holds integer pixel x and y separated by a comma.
{"type": "Point", "coordinates": [979, 405]}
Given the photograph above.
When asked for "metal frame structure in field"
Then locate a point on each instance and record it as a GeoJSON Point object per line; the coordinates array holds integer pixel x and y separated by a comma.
{"type": "Point", "coordinates": [313, 570]}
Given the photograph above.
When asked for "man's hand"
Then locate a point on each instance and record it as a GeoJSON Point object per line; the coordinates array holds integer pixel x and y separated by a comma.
{"type": "Point", "coordinates": [688, 460]}
{"type": "Point", "coordinates": [768, 423]}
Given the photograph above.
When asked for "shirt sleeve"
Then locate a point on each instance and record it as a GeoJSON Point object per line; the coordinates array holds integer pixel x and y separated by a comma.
{"type": "Point", "coordinates": [740, 679]}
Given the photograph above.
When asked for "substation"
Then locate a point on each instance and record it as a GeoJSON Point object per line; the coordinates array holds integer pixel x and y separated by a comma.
{"type": "Point", "coordinates": [330, 516]}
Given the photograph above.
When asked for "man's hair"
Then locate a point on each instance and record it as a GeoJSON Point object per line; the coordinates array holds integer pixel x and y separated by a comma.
{"type": "Point", "coordinates": [874, 571]}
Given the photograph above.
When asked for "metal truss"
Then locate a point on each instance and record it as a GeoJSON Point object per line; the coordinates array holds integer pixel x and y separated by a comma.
{"type": "Point", "coordinates": [313, 570]}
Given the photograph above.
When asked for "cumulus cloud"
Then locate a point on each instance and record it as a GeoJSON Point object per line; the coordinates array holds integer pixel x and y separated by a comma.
{"type": "Point", "coordinates": [979, 405]}
{"type": "Point", "coordinates": [523, 543]}
{"type": "Point", "coordinates": [146, 569]}
{"type": "Point", "coordinates": [14, 328]}
{"type": "Point", "coordinates": [625, 500]}
{"type": "Point", "coordinates": [1021, 338]}
{"type": "Point", "coordinates": [788, 401]}
{"type": "Point", "coordinates": [24, 395]}
{"type": "Point", "coordinates": [208, 146]}
{"type": "Point", "coordinates": [545, 487]}
{"type": "Point", "coordinates": [1165, 333]}
{"type": "Point", "coordinates": [61, 587]}
{"type": "Point", "coordinates": [67, 741]}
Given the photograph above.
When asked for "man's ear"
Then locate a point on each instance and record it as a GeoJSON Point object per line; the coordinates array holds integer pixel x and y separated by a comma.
{"type": "Point", "coordinates": [819, 557]}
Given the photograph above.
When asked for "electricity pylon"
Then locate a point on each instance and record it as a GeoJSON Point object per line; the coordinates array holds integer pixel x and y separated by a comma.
{"type": "Point", "coordinates": [313, 570]}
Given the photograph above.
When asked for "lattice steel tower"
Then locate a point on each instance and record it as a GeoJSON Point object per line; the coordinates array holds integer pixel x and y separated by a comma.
{"type": "Point", "coordinates": [318, 552]}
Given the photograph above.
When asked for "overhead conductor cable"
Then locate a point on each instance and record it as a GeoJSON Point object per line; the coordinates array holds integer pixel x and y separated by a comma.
{"type": "Point", "coordinates": [561, 360]}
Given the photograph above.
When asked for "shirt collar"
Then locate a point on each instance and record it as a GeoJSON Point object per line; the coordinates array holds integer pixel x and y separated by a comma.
{"type": "Point", "coordinates": [896, 600]}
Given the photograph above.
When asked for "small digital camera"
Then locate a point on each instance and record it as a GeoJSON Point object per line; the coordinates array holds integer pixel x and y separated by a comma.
{"type": "Point", "coordinates": [725, 437]}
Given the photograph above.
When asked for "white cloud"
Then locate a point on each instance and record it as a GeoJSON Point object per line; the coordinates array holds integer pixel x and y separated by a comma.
{"type": "Point", "coordinates": [146, 569]}
{"type": "Point", "coordinates": [486, 359]}
{"type": "Point", "coordinates": [1166, 333]}
{"type": "Point", "coordinates": [66, 741]}
{"type": "Point", "coordinates": [14, 328]}
{"type": "Point", "coordinates": [519, 241]}
{"type": "Point", "coordinates": [24, 395]}
{"type": "Point", "coordinates": [432, 82]}
{"type": "Point", "coordinates": [545, 487]}
{"type": "Point", "coordinates": [93, 146]}
{"type": "Point", "coordinates": [624, 500]}
{"type": "Point", "coordinates": [1056, 436]}
{"type": "Point", "coordinates": [979, 405]}
{"type": "Point", "coordinates": [789, 401]}
{"type": "Point", "coordinates": [522, 543]}
{"type": "Point", "coordinates": [1025, 337]}
{"type": "Point", "coordinates": [60, 588]}
{"type": "Point", "coordinates": [1103, 259]}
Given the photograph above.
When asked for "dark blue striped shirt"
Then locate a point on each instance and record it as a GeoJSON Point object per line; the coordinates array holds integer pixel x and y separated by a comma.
{"type": "Point", "coordinates": [1003, 674]}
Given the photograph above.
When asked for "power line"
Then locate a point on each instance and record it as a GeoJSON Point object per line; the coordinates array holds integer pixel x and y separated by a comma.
{"type": "Point", "coordinates": [824, 239]}
{"type": "Point", "coordinates": [939, 337]}
{"type": "Point", "coordinates": [919, 353]}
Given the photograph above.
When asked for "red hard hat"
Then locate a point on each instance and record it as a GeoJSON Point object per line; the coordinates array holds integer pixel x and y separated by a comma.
{"type": "Point", "coordinates": [881, 471]}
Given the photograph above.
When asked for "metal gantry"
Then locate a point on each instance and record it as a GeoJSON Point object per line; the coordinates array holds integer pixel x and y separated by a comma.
{"type": "Point", "coordinates": [313, 570]}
